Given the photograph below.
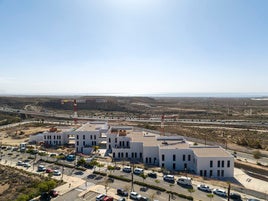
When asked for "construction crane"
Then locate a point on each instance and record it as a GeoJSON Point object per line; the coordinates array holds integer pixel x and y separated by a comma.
{"type": "Point", "coordinates": [74, 101]}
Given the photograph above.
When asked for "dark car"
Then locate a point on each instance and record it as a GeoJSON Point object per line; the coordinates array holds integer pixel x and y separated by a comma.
{"type": "Point", "coordinates": [144, 199]}
{"type": "Point", "coordinates": [122, 192]}
{"type": "Point", "coordinates": [152, 175]}
{"type": "Point", "coordinates": [53, 193]}
{"type": "Point", "coordinates": [45, 197]}
{"type": "Point", "coordinates": [169, 178]}
{"type": "Point", "coordinates": [235, 196]}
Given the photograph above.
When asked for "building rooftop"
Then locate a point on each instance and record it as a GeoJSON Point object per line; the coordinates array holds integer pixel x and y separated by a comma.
{"type": "Point", "coordinates": [210, 151]}
{"type": "Point", "coordinates": [93, 126]}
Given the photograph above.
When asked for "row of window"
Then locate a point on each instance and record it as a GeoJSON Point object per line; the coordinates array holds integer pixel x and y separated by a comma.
{"type": "Point", "coordinates": [174, 157]}
{"type": "Point", "coordinates": [126, 155]}
{"type": "Point", "coordinates": [220, 173]}
{"type": "Point", "coordinates": [93, 143]}
{"type": "Point", "coordinates": [49, 137]}
{"type": "Point", "coordinates": [174, 166]}
{"type": "Point", "coordinates": [220, 163]}
{"type": "Point", "coordinates": [53, 142]}
{"type": "Point", "coordinates": [84, 137]}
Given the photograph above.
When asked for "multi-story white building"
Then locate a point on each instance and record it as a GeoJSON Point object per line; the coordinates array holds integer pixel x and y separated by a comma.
{"type": "Point", "coordinates": [169, 152]}
{"type": "Point", "coordinates": [90, 135]}
{"type": "Point", "coordinates": [55, 138]}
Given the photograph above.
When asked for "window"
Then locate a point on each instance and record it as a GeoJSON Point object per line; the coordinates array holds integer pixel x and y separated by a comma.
{"type": "Point", "coordinates": [222, 163]}
{"type": "Point", "coordinates": [113, 155]}
{"type": "Point", "coordinates": [115, 140]}
{"type": "Point", "coordinates": [94, 137]}
{"type": "Point", "coordinates": [91, 137]}
{"type": "Point", "coordinates": [84, 143]}
{"type": "Point", "coordinates": [218, 173]}
{"type": "Point", "coordinates": [211, 164]}
{"type": "Point", "coordinates": [163, 165]}
{"type": "Point", "coordinates": [174, 158]}
{"type": "Point", "coordinates": [210, 173]}
{"type": "Point", "coordinates": [219, 163]}
{"type": "Point", "coordinates": [201, 172]}
{"type": "Point", "coordinates": [174, 166]}
{"type": "Point", "coordinates": [127, 143]}
{"type": "Point", "coordinates": [183, 157]}
{"type": "Point", "coordinates": [126, 154]}
{"type": "Point", "coordinates": [118, 154]}
{"type": "Point", "coordinates": [77, 143]}
{"type": "Point", "coordinates": [150, 160]}
{"type": "Point", "coordinates": [222, 173]}
{"type": "Point", "coordinates": [205, 173]}
{"type": "Point", "coordinates": [45, 137]}
{"type": "Point", "coordinates": [132, 155]}
{"type": "Point", "coordinates": [54, 137]}
{"type": "Point", "coordinates": [140, 155]}
{"type": "Point", "coordinates": [135, 154]}
{"type": "Point", "coordinates": [163, 157]}
{"type": "Point", "coordinates": [84, 137]}
{"type": "Point", "coordinates": [77, 137]}
{"type": "Point", "coordinates": [109, 140]}
{"type": "Point", "coordinates": [228, 163]}
{"type": "Point", "coordinates": [189, 157]}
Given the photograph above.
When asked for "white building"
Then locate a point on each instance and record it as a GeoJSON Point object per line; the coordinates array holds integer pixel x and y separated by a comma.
{"type": "Point", "coordinates": [56, 138]}
{"type": "Point", "coordinates": [169, 152]}
{"type": "Point", "coordinates": [36, 138]}
{"type": "Point", "coordinates": [90, 135]}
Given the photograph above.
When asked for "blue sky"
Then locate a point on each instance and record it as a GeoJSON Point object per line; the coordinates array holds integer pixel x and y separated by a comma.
{"type": "Point", "coordinates": [133, 46]}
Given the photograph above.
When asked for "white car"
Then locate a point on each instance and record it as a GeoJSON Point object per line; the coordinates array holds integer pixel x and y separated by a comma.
{"type": "Point", "coordinates": [135, 195]}
{"type": "Point", "coordinates": [203, 187]}
{"type": "Point", "coordinates": [20, 163]}
{"type": "Point", "coordinates": [138, 171]}
{"type": "Point", "coordinates": [27, 165]}
{"type": "Point", "coordinates": [100, 197]}
{"type": "Point", "coordinates": [169, 178]}
{"type": "Point", "coordinates": [56, 173]}
{"type": "Point", "coordinates": [220, 192]}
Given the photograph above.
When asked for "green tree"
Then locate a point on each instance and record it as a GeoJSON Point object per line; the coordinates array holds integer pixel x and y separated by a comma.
{"type": "Point", "coordinates": [210, 196]}
{"type": "Point", "coordinates": [23, 197]}
{"type": "Point", "coordinates": [81, 162]}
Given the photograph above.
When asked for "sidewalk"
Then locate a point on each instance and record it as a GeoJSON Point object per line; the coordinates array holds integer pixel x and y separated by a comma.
{"type": "Point", "coordinates": [250, 182]}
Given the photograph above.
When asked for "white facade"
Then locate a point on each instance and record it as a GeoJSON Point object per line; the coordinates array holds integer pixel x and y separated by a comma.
{"type": "Point", "coordinates": [55, 138]}
{"type": "Point", "coordinates": [170, 152]}
{"type": "Point", "coordinates": [90, 135]}
{"type": "Point", "coordinates": [36, 138]}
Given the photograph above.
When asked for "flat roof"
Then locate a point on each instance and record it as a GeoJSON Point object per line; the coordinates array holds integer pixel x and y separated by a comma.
{"type": "Point", "coordinates": [210, 151]}
{"type": "Point", "coordinates": [92, 126]}
{"type": "Point", "coordinates": [164, 142]}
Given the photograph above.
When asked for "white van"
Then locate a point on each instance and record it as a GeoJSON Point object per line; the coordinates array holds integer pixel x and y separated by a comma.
{"type": "Point", "coordinates": [187, 181]}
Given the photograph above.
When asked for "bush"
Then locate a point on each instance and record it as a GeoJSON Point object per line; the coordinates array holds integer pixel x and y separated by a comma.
{"type": "Point", "coordinates": [181, 195]}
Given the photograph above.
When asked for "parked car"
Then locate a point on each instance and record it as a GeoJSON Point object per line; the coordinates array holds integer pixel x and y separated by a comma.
{"type": "Point", "coordinates": [235, 196]}
{"type": "Point", "coordinates": [20, 163]}
{"type": "Point", "coordinates": [152, 175]}
{"type": "Point", "coordinates": [169, 178]}
{"type": "Point", "coordinates": [53, 193]}
{"type": "Point", "coordinates": [138, 171]}
{"type": "Point", "coordinates": [220, 192]}
{"type": "Point", "coordinates": [122, 192]}
{"type": "Point", "coordinates": [134, 195]}
{"type": "Point", "coordinates": [122, 199]}
{"type": "Point", "coordinates": [70, 157]}
{"type": "Point", "coordinates": [108, 198]}
{"type": "Point", "coordinates": [100, 197]}
{"type": "Point", "coordinates": [48, 170]}
{"type": "Point", "coordinates": [127, 169]}
{"type": "Point", "coordinates": [144, 199]}
{"type": "Point", "coordinates": [187, 181]}
{"type": "Point", "coordinates": [205, 188]}
{"type": "Point", "coordinates": [56, 173]}
{"type": "Point", "coordinates": [27, 165]}
{"type": "Point", "coordinates": [41, 168]}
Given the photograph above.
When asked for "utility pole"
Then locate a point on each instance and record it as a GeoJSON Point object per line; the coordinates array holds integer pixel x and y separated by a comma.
{"type": "Point", "coordinates": [228, 192]}
{"type": "Point", "coordinates": [132, 184]}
